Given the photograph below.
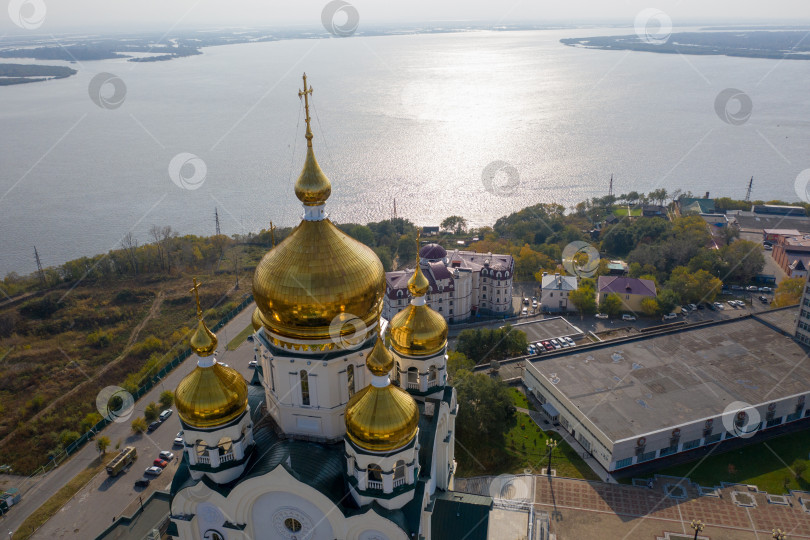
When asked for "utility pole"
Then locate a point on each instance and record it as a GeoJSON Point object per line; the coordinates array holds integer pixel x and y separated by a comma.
{"type": "Point", "coordinates": [39, 267]}
{"type": "Point", "coordinates": [748, 193]}
{"type": "Point", "coordinates": [236, 269]}
{"type": "Point", "coordinates": [216, 220]}
{"type": "Point", "coordinates": [610, 189]}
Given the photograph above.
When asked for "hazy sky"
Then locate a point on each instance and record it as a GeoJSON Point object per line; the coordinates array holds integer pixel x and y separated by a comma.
{"type": "Point", "coordinates": [122, 15]}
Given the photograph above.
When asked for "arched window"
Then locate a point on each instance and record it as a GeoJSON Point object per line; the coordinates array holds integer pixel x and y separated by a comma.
{"type": "Point", "coordinates": [433, 376]}
{"type": "Point", "coordinates": [225, 446]}
{"type": "Point", "coordinates": [200, 447]}
{"type": "Point", "coordinates": [399, 473]}
{"type": "Point", "coordinates": [350, 378]}
{"type": "Point", "coordinates": [413, 377]}
{"type": "Point", "coordinates": [396, 372]}
{"type": "Point", "coordinates": [374, 476]}
{"type": "Point", "coordinates": [304, 387]}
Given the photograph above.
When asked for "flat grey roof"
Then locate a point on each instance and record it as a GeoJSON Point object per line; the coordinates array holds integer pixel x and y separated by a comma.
{"type": "Point", "coordinates": [550, 327]}
{"type": "Point", "coordinates": [749, 220]}
{"type": "Point", "coordinates": [633, 388]}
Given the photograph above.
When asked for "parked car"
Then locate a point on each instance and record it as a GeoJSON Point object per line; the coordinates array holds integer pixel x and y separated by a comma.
{"type": "Point", "coordinates": [601, 315]}
{"type": "Point", "coordinates": [563, 342]}
{"type": "Point", "coordinates": [628, 317]}
{"type": "Point", "coordinates": [555, 343]}
{"type": "Point", "coordinates": [142, 482]}
{"type": "Point", "coordinates": [526, 301]}
{"type": "Point", "coordinates": [529, 350]}
{"type": "Point", "coordinates": [768, 247]}
{"type": "Point", "coordinates": [693, 307]}
{"type": "Point", "coordinates": [162, 463]}
{"type": "Point", "coordinates": [719, 306]}
{"type": "Point", "coordinates": [534, 303]}
{"type": "Point", "coordinates": [740, 303]}
{"type": "Point", "coordinates": [763, 299]}
{"type": "Point", "coordinates": [153, 426]}
{"type": "Point", "coordinates": [178, 440]}
{"type": "Point", "coordinates": [700, 306]}
{"type": "Point", "coordinates": [685, 309]}
{"type": "Point", "coordinates": [570, 341]}
{"type": "Point", "coordinates": [547, 345]}
{"type": "Point", "coordinates": [732, 303]}
{"type": "Point", "coordinates": [165, 414]}
{"type": "Point", "coordinates": [168, 456]}
{"type": "Point", "coordinates": [766, 289]}
{"type": "Point", "coordinates": [153, 471]}
{"type": "Point", "coordinates": [250, 338]}
{"type": "Point", "coordinates": [253, 364]}
{"type": "Point", "coordinates": [524, 311]}
{"type": "Point", "coordinates": [751, 288]}
{"type": "Point", "coordinates": [669, 316]}
{"type": "Point", "coordinates": [736, 287]}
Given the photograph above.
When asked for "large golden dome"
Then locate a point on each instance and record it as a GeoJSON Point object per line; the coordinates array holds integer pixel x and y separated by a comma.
{"type": "Point", "coordinates": [211, 396]}
{"type": "Point", "coordinates": [319, 285]}
{"type": "Point", "coordinates": [385, 417]}
{"type": "Point", "coordinates": [417, 330]}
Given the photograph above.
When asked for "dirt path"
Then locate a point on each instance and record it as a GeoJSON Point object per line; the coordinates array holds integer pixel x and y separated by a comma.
{"type": "Point", "coordinates": [154, 310]}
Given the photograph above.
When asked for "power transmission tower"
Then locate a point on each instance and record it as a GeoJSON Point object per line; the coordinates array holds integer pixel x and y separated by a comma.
{"type": "Point", "coordinates": [610, 189]}
{"type": "Point", "coordinates": [40, 271]}
{"type": "Point", "coordinates": [216, 220]}
{"type": "Point", "coordinates": [748, 193]}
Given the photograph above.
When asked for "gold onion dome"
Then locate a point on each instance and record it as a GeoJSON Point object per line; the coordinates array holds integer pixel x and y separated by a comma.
{"type": "Point", "coordinates": [256, 319]}
{"type": "Point", "coordinates": [381, 417]}
{"type": "Point", "coordinates": [318, 273]}
{"type": "Point", "coordinates": [418, 330]}
{"type": "Point", "coordinates": [212, 394]}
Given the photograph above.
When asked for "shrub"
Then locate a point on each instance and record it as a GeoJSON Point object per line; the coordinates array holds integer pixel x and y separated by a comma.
{"type": "Point", "coordinates": [151, 412]}
{"type": "Point", "coordinates": [67, 437]}
{"type": "Point", "coordinates": [99, 339]}
{"type": "Point", "coordinates": [166, 398]}
{"type": "Point", "coordinates": [146, 347]}
{"type": "Point", "coordinates": [139, 425]}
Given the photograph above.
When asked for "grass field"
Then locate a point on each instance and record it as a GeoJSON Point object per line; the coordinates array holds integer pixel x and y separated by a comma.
{"type": "Point", "coordinates": [523, 448]}
{"type": "Point", "coordinates": [622, 211]}
{"type": "Point", "coordinates": [519, 399]}
{"type": "Point", "coordinates": [240, 338]}
{"type": "Point", "coordinates": [59, 499]}
{"type": "Point", "coordinates": [770, 465]}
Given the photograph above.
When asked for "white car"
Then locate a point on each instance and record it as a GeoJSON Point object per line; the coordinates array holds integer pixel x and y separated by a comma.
{"type": "Point", "coordinates": [601, 315]}
{"type": "Point", "coordinates": [569, 341]}
{"type": "Point", "coordinates": [534, 303]}
{"type": "Point", "coordinates": [627, 317]}
{"type": "Point", "coordinates": [555, 343]}
{"type": "Point", "coordinates": [168, 456]}
{"type": "Point", "coordinates": [153, 471]}
{"type": "Point", "coordinates": [719, 306]}
{"type": "Point", "coordinates": [524, 311]}
{"type": "Point", "coordinates": [165, 414]}
{"type": "Point", "coordinates": [732, 303]}
{"type": "Point", "coordinates": [179, 441]}
{"type": "Point", "coordinates": [252, 364]}
{"type": "Point", "coordinates": [669, 316]}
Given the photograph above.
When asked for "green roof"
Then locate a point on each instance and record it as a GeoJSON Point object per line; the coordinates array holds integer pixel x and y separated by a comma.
{"type": "Point", "coordinates": [460, 516]}
{"type": "Point", "coordinates": [702, 206]}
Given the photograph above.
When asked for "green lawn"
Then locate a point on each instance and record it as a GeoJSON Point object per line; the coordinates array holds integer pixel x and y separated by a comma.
{"type": "Point", "coordinates": [240, 337]}
{"type": "Point", "coordinates": [622, 211]}
{"type": "Point", "coordinates": [768, 465]}
{"type": "Point", "coordinates": [519, 399]}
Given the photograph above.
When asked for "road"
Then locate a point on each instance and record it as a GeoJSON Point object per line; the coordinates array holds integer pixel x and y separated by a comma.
{"type": "Point", "coordinates": [103, 499]}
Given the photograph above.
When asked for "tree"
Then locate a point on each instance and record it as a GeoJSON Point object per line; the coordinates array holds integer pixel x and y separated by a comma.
{"type": "Point", "coordinates": [744, 260]}
{"type": "Point", "coordinates": [484, 344]}
{"type": "Point", "coordinates": [650, 306]}
{"type": "Point", "coordinates": [457, 361]}
{"type": "Point", "coordinates": [151, 412]}
{"type": "Point", "coordinates": [584, 299]}
{"type": "Point", "coordinates": [139, 425]}
{"type": "Point", "coordinates": [166, 398]}
{"type": "Point", "coordinates": [667, 300]}
{"type": "Point", "coordinates": [610, 304]}
{"type": "Point", "coordinates": [101, 444]}
{"type": "Point", "coordinates": [484, 407]}
{"type": "Point", "coordinates": [456, 224]}
{"type": "Point", "coordinates": [695, 287]}
{"type": "Point", "coordinates": [788, 293]}
{"type": "Point", "coordinates": [384, 254]}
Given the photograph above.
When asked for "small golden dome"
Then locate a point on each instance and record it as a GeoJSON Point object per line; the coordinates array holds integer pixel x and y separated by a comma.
{"type": "Point", "coordinates": [211, 396]}
{"type": "Point", "coordinates": [418, 331]}
{"type": "Point", "coordinates": [381, 419]}
{"type": "Point", "coordinates": [203, 341]}
{"type": "Point", "coordinates": [312, 187]}
{"type": "Point", "coordinates": [316, 274]}
{"type": "Point", "coordinates": [256, 319]}
{"type": "Point", "coordinates": [418, 284]}
{"type": "Point", "coordinates": [380, 360]}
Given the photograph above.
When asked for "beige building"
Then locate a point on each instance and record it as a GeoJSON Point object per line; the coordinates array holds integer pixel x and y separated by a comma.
{"type": "Point", "coordinates": [463, 284]}
{"type": "Point", "coordinates": [631, 291]}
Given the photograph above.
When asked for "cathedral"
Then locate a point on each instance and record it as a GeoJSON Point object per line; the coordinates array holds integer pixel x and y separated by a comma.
{"type": "Point", "coordinates": [347, 430]}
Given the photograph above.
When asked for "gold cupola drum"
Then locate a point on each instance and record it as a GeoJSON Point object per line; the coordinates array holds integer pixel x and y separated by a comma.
{"type": "Point", "coordinates": [318, 275]}
{"type": "Point", "coordinates": [212, 394]}
{"type": "Point", "coordinates": [381, 417]}
{"type": "Point", "coordinates": [418, 330]}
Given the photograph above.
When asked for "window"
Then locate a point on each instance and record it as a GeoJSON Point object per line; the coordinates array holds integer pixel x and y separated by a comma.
{"type": "Point", "coordinates": [399, 471]}
{"type": "Point", "coordinates": [440, 309]}
{"type": "Point", "coordinates": [794, 416]}
{"type": "Point", "coordinates": [433, 376]}
{"type": "Point", "coordinates": [304, 387]}
{"type": "Point", "coordinates": [647, 456]}
{"type": "Point", "coordinates": [626, 462]}
{"type": "Point", "coordinates": [350, 379]}
{"type": "Point", "coordinates": [714, 438]}
{"type": "Point", "coordinates": [774, 422]}
{"type": "Point", "coordinates": [668, 450]}
{"type": "Point", "coordinates": [688, 445]}
{"type": "Point", "coordinates": [292, 525]}
{"type": "Point", "coordinates": [485, 297]}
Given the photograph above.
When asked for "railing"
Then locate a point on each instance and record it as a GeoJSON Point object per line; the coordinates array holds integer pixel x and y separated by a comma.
{"type": "Point", "coordinates": [413, 385]}
{"type": "Point", "coordinates": [226, 457]}
{"type": "Point", "coordinates": [204, 459]}
{"type": "Point", "coordinates": [374, 484]}
{"type": "Point", "coordinates": [399, 481]}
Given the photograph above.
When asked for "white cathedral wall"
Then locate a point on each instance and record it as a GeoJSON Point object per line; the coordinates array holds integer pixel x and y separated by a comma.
{"type": "Point", "coordinates": [263, 503]}
{"type": "Point", "coordinates": [422, 364]}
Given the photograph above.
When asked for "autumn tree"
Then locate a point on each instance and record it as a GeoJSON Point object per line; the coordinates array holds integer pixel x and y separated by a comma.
{"type": "Point", "coordinates": [584, 299]}
{"type": "Point", "coordinates": [789, 292]}
{"type": "Point", "coordinates": [456, 224]}
{"type": "Point", "coordinates": [611, 304]}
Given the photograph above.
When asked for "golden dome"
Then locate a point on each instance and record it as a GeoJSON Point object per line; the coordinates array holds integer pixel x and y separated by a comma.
{"type": "Point", "coordinates": [418, 284]}
{"type": "Point", "coordinates": [256, 319]}
{"type": "Point", "coordinates": [379, 361]}
{"type": "Point", "coordinates": [211, 396]}
{"type": "Point", "coordinates": [418, 331]}
{"type": "Point", "coordinates": [203, 341]}
{"type": "Point", "coordinates": [312, 187]}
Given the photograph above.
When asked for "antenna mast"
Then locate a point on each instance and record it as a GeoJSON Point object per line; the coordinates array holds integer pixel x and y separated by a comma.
{"type": "Point", "coordinates": [216, 220]}
{"type": "Point", "coordinates": [40, 271]}
{"type": "Point", "coordinates": [748, 193]}
{"type": "Point", "coordinates": [610, 189]}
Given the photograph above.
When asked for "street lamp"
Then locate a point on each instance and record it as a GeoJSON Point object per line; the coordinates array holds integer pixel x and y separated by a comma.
{"type": "Point", "coordinates": [779, 534]}
{"type": "Point", "coordinates": [551, 444]}
{"type": "Point", "coordinates": [697, 526]}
